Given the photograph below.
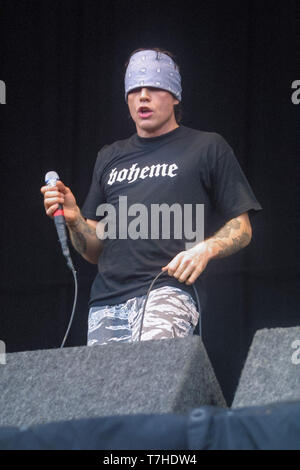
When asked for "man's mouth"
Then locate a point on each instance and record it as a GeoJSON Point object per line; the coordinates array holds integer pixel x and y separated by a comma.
{"type": "Point", "coordinates": [144, 112]}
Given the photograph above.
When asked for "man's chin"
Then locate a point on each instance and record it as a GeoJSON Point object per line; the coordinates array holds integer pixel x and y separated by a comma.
{"type": "Point", "coordinates": [148, 126]}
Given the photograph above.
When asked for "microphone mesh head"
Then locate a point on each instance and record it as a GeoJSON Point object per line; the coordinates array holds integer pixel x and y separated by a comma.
{"type": "Point", "coordinates": [51, 176]}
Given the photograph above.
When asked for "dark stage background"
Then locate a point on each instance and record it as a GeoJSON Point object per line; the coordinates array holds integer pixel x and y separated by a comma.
{"type": "Point", "coordinates": [62, 62]}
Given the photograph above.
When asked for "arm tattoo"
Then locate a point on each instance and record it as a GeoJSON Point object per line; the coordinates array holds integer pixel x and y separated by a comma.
{"type": "Point", "coordinates": [79, 242]}
{"type": "Point", "coordinates": [226, 241]}
{"type": "Point", "coordinates": [224, 232]}
{"type": "Point", "coordinates": [237, 243]}
{"type": "Point", "coordinates": [78, 234]}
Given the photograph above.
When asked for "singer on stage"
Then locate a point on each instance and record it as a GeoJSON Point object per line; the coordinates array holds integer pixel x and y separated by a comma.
{"type": "Point", "coordinates": [166, 163]}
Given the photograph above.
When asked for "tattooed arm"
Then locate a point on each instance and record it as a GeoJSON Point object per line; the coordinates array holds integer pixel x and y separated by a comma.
{"type": "Point", "coordinates": [232, 237]}
{"type": "Point", "coordinates": [84, 238]}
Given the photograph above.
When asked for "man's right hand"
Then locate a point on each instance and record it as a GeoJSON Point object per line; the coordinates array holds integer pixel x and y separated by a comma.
{"type": "Point", "coordinates": [61, 194]}
{"type": "Point", "coordinates": [82, 231]}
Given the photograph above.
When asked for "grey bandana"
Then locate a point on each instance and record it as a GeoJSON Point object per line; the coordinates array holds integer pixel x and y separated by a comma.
{"type": "Point", "coordinates": [153, 69]}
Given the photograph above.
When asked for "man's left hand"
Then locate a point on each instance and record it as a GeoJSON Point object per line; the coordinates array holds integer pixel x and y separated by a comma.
{"type": "Point", "coordinates": [188, 265]}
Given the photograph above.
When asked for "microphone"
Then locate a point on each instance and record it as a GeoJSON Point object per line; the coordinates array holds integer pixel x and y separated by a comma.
{"type": "Point", "coordinates": [59, 220]}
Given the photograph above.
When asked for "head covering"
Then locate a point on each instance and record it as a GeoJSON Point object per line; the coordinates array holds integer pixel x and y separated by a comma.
{"type": "Point", "coordinates": [153, 69]}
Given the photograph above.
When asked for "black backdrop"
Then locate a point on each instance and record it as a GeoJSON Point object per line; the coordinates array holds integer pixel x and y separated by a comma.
{"type": "Point", "coordinates": [62, 63]}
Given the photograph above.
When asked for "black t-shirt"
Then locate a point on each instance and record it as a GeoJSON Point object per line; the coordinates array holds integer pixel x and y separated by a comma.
{"type": "Point", "coordinates": [184, 166]}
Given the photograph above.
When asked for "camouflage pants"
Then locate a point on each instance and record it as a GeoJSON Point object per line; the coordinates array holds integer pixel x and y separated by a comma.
{"type": "Point", "coordinates": [170, 313]}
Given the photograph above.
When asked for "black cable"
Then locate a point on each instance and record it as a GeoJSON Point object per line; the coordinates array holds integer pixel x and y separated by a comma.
{"type": "Point", "coordinates": [62, 233]}
{"type": "Point", "coordinates": [144, 307]}
{"type": "Point", "coordinates": [74, 306]}
{"type": "Point", "coordinates": [199, 311]}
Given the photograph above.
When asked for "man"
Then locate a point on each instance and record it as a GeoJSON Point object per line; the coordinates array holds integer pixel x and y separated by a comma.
{"type": "Point", "coordinates": [163, 163]}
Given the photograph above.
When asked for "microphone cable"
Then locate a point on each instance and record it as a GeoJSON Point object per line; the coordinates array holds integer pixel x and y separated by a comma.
{"type": "Point", "coordinates": [73, 308]}
{"type": "Point", "coordinates": [70, 265]}
{"type": "Point", "coordinates": [146, 300]}
{"type": "Point", "coordinates": [72, 269]}
{"type": "Point", "coordinates": [63, 240]}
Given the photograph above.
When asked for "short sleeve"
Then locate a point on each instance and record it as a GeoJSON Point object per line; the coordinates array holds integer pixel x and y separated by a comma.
{"type": "Point", "coordinates": [231, 191]}
{"type": "Point", "coordinates": [95, 196]}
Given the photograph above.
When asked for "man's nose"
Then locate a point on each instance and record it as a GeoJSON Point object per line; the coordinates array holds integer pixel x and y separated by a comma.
{"type": "Point", "coordinates": [144, 94]}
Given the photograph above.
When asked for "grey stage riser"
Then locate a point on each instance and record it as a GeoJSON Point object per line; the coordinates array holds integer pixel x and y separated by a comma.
{"type": "Point", "coordinates": [163, 376]}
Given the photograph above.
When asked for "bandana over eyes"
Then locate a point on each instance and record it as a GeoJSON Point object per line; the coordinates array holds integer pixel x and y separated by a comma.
{"type": "Point", "coordinates": [153, 69]}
